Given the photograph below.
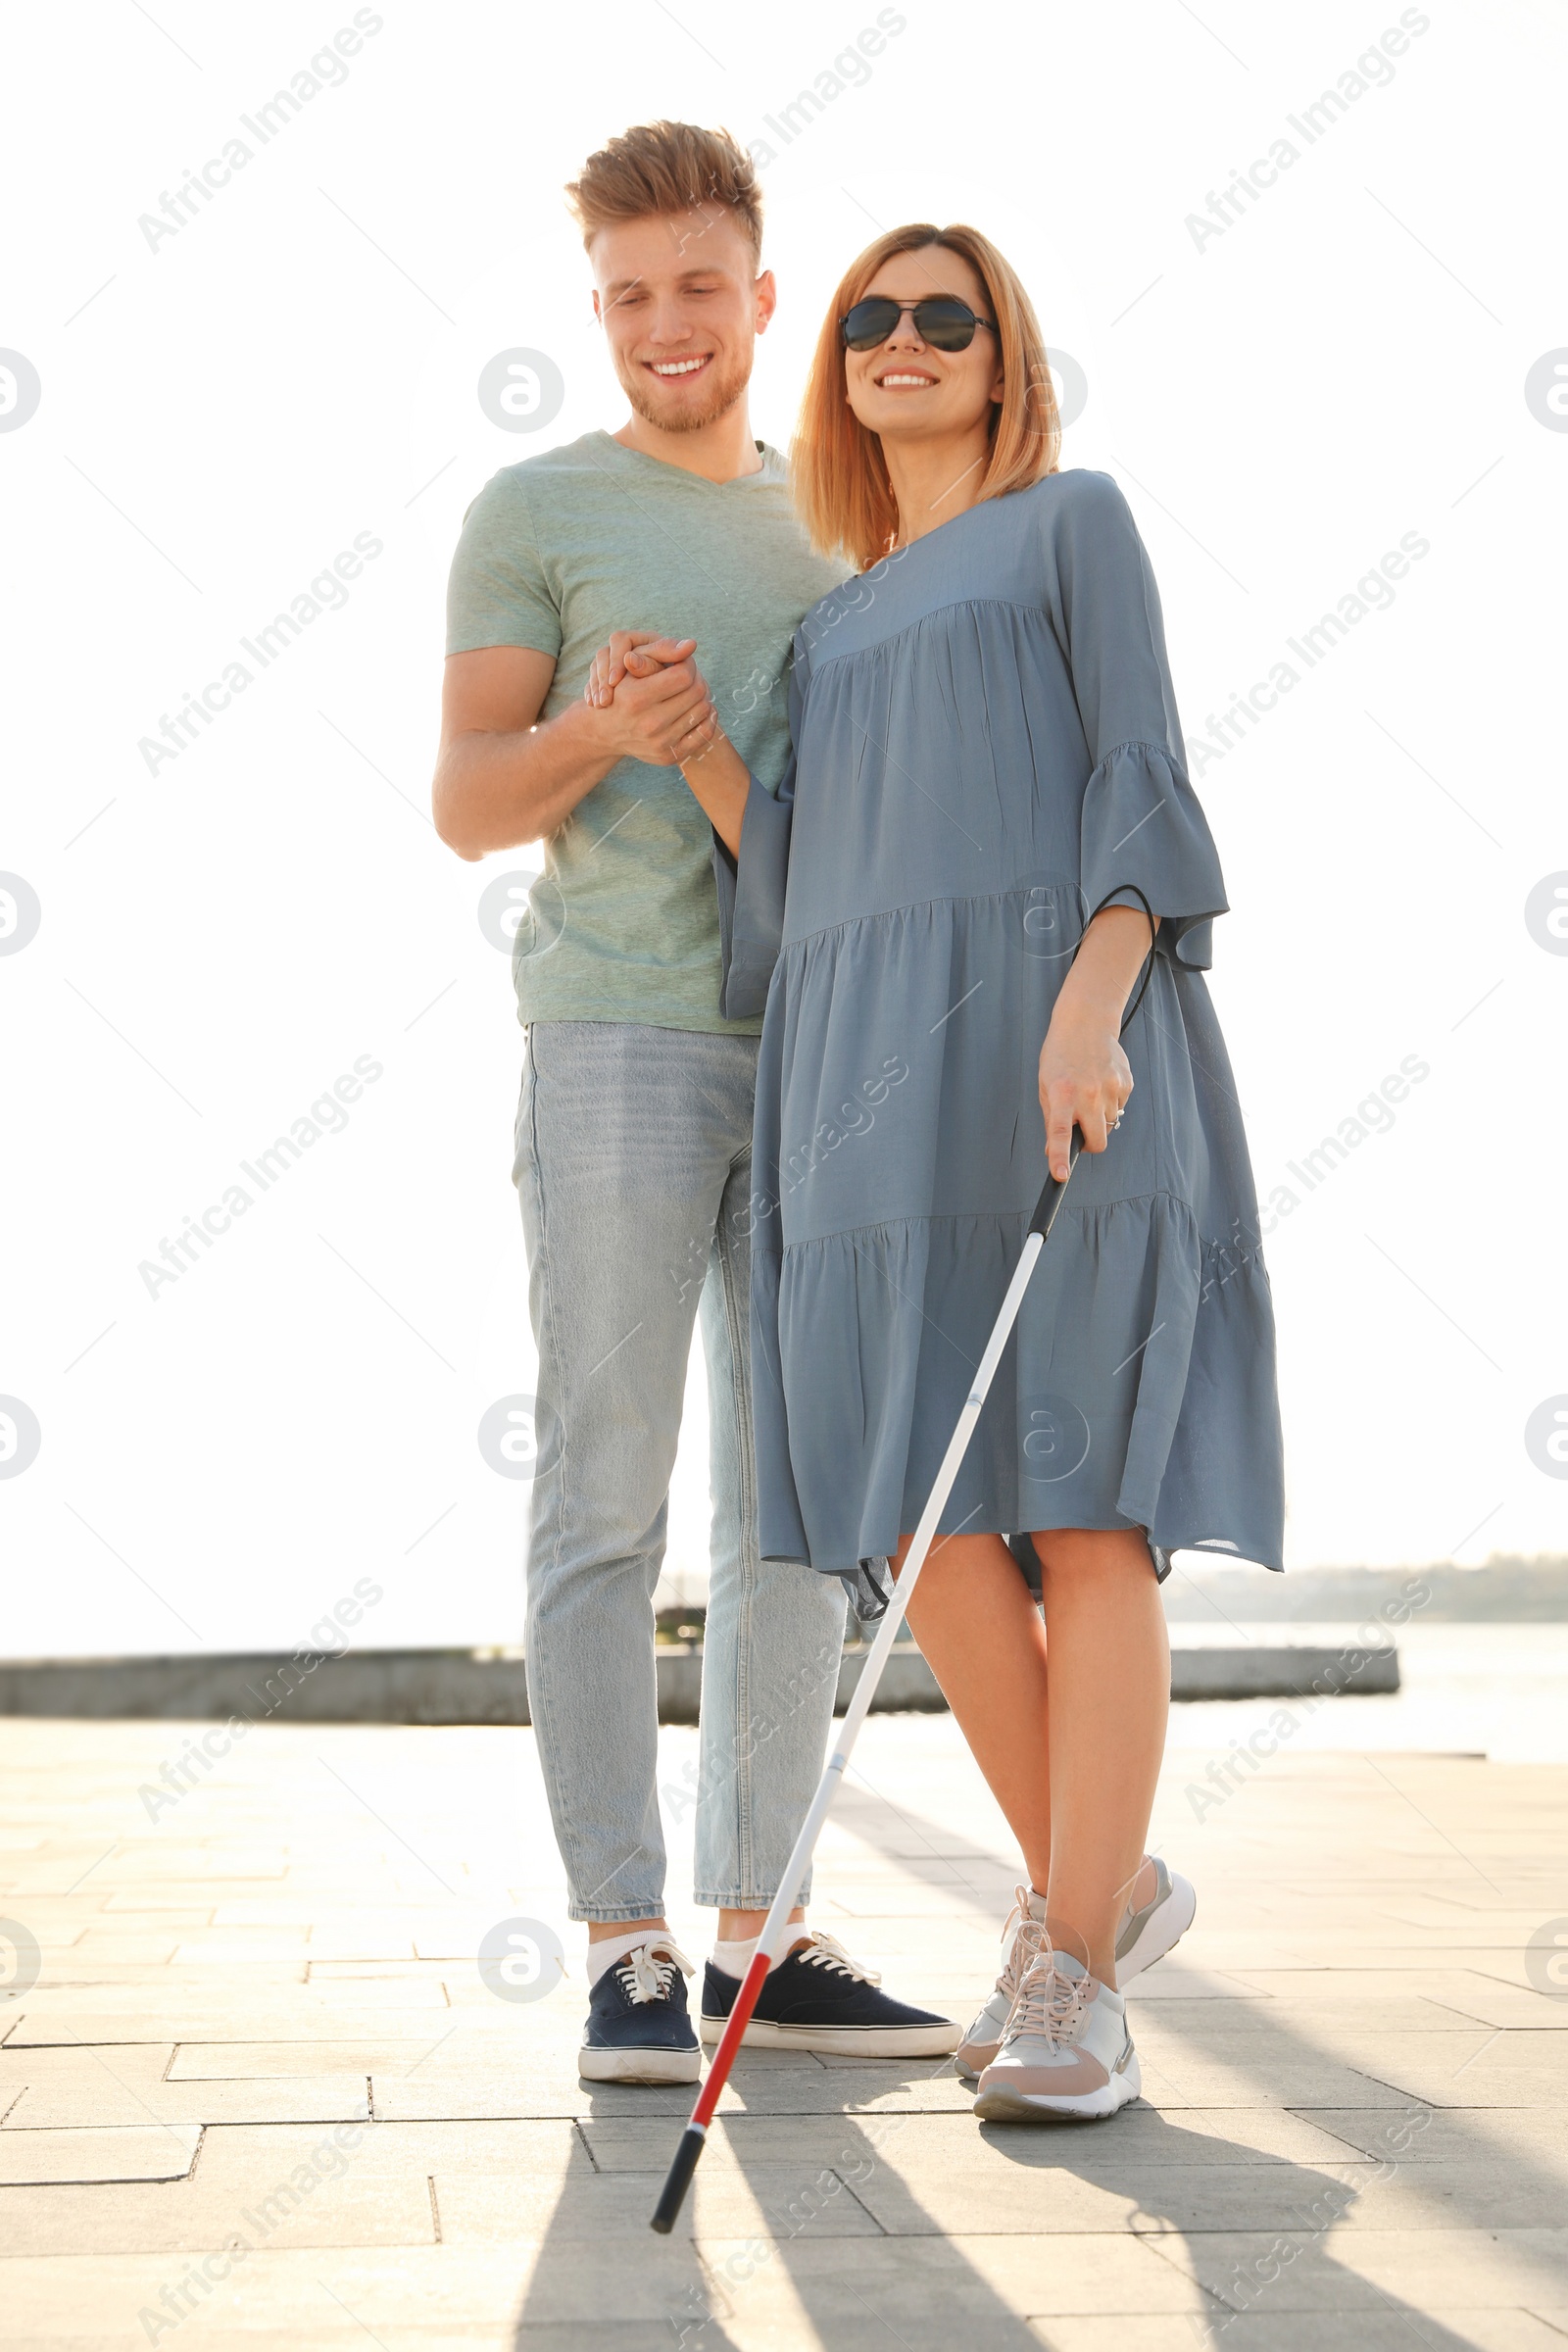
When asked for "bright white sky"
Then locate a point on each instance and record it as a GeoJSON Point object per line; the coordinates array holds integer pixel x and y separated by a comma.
{"type": "Point", "coordinates": [1282, 401]}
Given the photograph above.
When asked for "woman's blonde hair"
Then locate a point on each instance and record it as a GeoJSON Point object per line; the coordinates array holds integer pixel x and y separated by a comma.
{"type": "Point", "coordinates": [838, 472]}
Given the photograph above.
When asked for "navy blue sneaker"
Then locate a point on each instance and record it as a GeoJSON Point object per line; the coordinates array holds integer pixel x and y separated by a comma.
{"type": "Point", "coordinates": [821, 1999]}
{"type": "Point", "coordinates": [639, 2028]}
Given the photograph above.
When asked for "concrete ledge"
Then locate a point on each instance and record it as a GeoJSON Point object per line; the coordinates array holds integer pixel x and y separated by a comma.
{"type": "Point", "coordinates": [372, 1685]}
{"type": "Point", "coordinates": [1293, 1670]}
{"type": "Point", "coordinates": [463, 1686]}
{"type": "Point", "coordinates": [1290, 1670]}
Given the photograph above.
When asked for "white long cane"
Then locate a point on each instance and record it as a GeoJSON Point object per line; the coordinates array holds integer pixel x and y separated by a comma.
{"type": "Point", "coordinates": [777, 1931]}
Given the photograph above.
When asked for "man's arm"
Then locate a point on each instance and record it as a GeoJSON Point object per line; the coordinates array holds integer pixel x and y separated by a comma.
{"type": "Point", "coordinates": [503, 777]}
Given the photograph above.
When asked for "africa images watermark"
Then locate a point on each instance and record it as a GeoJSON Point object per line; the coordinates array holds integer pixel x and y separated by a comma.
{"type": "Point", "coordinates": [21, 913]}
{"type": "Point", "coordinates": [20, 390]}
{"type": "Point", "coordinates": [1247, 2281]}
{"type": "Point", "coordinates": [858, 595]}
{"type": "Point", "coordinates": [855, 2166]}
{"type": "Point", "coordinates": [700, 1785]}
{"type": "Point", "coordinates": [1226, 1774]}
{"type": "Point", "coordinates": [1373, 69]}
{"type": "Point", "coordinates": [859, 1117]}
{"type": "Point", "coordinates": [1373, 592]}
{"type": "Point", "coordinates": [703, 2305]}
{"type": "Point", "coordinates": [1373, 1115]}
{"type": "Point", "coordinates": [327, 2161]}
{"type": "Point", "coordinates": [327, 1116]}
{"type": "Point", "coordinates": [327, 593]}
{"type": "Point", "coordinates": [850, 69]}
{"type": "Point", "coordinates": [328, 1638]}
{"type": "Point", "coordinates": [328, 70]}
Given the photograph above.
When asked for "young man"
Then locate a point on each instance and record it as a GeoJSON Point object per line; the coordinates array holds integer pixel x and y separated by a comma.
{"type": "Point", "coordinates": [633, 1142]}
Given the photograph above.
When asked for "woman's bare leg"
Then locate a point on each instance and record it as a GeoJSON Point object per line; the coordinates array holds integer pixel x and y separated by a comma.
{"type": "Point", "coordinates": [1065, 1729]}
{"type": "Point", "coordinates": [1072, 1749]}
{"type": "Point", "coordinates": [976, 1623]}
{"type": "Point", "coordinates": [1109, 1676]}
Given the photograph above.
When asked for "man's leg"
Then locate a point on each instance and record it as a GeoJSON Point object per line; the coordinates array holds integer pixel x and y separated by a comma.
{"type": "Point", "coordinates": [619, 1168]}
{"type": "Point", "coordinates": [774, 1632]}
{"type": "Point", "coordinates": [641, 1134]}
{"type": "Point", "coordinates": [771, 1670]}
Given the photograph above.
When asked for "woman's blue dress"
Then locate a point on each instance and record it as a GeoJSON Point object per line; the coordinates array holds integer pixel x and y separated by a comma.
{"type": "Point", "coordinates": [986, 745]}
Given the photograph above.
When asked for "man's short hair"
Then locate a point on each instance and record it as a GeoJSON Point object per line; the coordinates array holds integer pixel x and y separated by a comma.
{"type": "Point", "coordinates": [667, 168]}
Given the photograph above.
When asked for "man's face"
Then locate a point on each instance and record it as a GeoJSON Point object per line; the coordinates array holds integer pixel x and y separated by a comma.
{"type": "Point", "coordinates": [681, 306]}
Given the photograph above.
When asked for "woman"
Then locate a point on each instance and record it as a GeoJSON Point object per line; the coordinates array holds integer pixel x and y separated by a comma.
{"type": "Point", "coordinates": [986, 756]}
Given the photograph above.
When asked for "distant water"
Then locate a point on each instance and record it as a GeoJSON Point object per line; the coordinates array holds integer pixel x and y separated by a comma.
{"type": "Point", "coordinates": [1506, 1591]}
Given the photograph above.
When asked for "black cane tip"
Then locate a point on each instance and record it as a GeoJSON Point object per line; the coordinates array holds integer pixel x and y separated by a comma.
{"type": "Point", "coordinates": [678, 2180]}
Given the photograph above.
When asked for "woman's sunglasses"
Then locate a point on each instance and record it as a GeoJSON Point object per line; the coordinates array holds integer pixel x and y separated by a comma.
{"type": "Point", "coordinates": [942, 321]}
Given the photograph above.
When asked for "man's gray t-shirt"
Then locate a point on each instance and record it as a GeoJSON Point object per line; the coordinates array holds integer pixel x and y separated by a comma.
{"type": "Point", "coordinates": [555, 554]}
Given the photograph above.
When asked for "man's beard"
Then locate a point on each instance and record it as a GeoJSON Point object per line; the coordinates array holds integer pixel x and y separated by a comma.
{"type": "Point", "coordinates": [723, 391]}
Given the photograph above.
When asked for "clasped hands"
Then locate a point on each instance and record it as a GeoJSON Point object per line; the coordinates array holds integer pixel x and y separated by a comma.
{"type": "Point", "coordinates": [654, 700]}
{"type": "Point", "coordinates": [656, 705]}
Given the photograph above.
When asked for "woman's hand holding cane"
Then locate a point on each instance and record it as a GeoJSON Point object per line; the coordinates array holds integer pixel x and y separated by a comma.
{"type": "Point", "coordinates": [1085, 1078]}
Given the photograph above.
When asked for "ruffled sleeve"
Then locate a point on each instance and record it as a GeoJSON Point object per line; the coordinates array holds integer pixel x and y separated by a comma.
{"type": "Point", "coordinates": [1142, 821]}
{"type": "Point", "coordinates": [751, 889]}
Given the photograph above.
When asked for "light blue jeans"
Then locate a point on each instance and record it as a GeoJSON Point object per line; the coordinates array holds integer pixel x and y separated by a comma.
{"type": "Point", "coordinates": [633, 1169]}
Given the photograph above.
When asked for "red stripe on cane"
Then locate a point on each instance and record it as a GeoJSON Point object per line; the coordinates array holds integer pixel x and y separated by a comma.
{"type": "Point", "coordinates": [729, 2042]}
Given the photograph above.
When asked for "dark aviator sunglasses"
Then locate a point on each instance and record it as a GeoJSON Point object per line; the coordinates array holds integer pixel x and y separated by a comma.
{"type": "Point", "coordinates": [940, 319]}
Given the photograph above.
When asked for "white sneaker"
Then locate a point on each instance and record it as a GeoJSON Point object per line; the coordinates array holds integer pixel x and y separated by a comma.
{"type": "Point", "coordinates": [1066, 2056]}
{"type": "Point", "coordinates": [1147, 1935]}
{"type": "Point", "coordinates": [1022, 1938]}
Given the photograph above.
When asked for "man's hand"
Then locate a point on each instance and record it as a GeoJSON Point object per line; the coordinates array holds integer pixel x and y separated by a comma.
{"type": "Point", "coordinates": [637, 665]}
{"type": "Point", "coordinates": [650, 699]}
{"type": "Point", "coordinates": [610, 664]}
{"type": "Point", "coordinates": [505, 775]}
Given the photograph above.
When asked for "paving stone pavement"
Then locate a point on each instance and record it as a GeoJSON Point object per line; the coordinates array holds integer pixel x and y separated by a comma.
{"type": "Point", "coordinates": [260, 2095]}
